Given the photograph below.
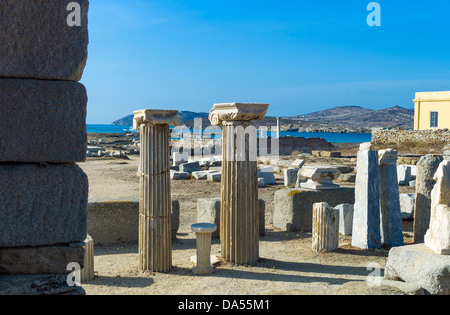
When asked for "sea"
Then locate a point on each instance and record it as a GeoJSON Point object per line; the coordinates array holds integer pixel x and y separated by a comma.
{"type": "Point", "coordinates": [331, 137]}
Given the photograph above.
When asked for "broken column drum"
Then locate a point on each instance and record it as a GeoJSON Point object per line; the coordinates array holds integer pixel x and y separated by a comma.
{"type": "Point", "coordinates": [155, 235]}
{"type": "Point", "coordinates": [239, 215]}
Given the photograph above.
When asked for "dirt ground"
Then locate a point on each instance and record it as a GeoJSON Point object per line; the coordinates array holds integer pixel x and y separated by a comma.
{"type": "Point", "coordinates": [287, 265]}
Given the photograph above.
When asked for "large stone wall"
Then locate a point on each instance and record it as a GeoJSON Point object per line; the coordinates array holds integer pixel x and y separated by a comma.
{"type": "Point", "coordinates": [381, 137]}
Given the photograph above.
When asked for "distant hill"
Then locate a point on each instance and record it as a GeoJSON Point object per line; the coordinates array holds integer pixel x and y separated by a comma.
{"type": "Point", "coordinates": [341, 119]}
{"type": "Point", "coordinates": [356, 116]}
{"type": "Point", "coordinates": [184, 116]}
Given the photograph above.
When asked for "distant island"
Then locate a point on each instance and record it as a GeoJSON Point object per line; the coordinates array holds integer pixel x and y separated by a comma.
{"type": "Point", "coordinates": [341, 119]}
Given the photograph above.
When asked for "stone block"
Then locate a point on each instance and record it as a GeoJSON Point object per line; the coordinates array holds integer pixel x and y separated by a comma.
{"type": "Point", "coordinates": [42, 205]}
{"type": "Point", "coordinates": [419, 265]}
{"type": "Point", "coordinates": [366, 232]}
{"type": "Point", "coordinates": [190, 167]}
{"type": "Point", "coordinates": [180, 158]}
{"type": "Point", "coordinates": [347, 178]}
{"type": "Point", "coordinates": [40, 260]}
{"type": "Point", "coordinates": [215, 177]}
{"type": "Point", "coordinates": [318, 178]}
{"type": "Point", "coordinates": [330, 154]}
{"type": "Point", "coordinates": [267, 174]}
{"type": "Point", "coordinates": [42, 121]}
{"type": "Point", "coordinates": [294, 207]}
{"type": "Point", "coordinates": [38, 43]}
{"type": "Point", "coordinates": [298, 164]}
{"type": "Point", "coordinates": [261, 183]}
{"type": "Point", "coordinates": [407, 204]}
{"type": "Point", "coordinates": [345, 218]}
{"type": "Point", "coordinates": [179, 175]}
{"type": "Point", "coordinates": [404, 174]}
{"type": "Point", "coordinates": [290, 177]}
{"type": "Point", "coordinates": [208, 211]}
{"type": "Point", "coordinates": [37, 284]}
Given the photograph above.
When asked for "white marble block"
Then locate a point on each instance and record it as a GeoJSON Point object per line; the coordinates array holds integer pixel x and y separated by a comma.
{"type": "Point", "coordinates": [318, 178]}
{"type": "Point", "coordinates": [345, 218]}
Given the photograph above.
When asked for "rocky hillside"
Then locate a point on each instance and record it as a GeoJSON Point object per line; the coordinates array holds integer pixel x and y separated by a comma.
{"type": "Point", "coordinates": [359, 117]}
{"type": "Point", "coordinates": [343, 119]}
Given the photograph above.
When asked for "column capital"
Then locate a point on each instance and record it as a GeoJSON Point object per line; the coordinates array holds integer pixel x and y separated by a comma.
{"type": "Point", "coordinates": [156, 117]}
{"type": "Point", "coordinates": [237, 112]}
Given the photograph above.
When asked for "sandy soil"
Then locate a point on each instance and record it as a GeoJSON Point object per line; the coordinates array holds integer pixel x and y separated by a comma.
{"type": "Point", "coordinates": [287, 264]}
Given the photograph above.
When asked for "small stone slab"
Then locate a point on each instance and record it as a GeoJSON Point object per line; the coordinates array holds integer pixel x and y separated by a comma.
{"type": "Point", "coordinates": [190, 167]}
{"type": "Point", "coordinates": [38, 43]}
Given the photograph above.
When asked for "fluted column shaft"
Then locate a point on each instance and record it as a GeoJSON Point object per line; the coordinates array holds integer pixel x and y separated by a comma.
{"type": "Point", "coordinates": [155, 238]}
{"type": "Point", "coordinates": [325, 228]}
{"type": "Point", "coordinates": [239, 216]}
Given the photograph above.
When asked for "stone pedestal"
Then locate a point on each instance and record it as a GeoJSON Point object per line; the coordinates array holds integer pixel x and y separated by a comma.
{"type": "Point", "coordinates": [325, 236]}
{"type": "Point", "coordinates": [438, 236]}
{"type": "Point", "coordinates": [203, 232]}
{"type": "Point", "coordinates": [239, 217]}
{"type": "Point", "coordinates": [426, 169]}
{"type": "Point", "coordinates": [318, 178]}
{"type": "Point", "coordinates": [366, 220]}
{"type": "Point", "coordinates": [155, 230]}
{"type": "Point", "coordinates": [391, 217]}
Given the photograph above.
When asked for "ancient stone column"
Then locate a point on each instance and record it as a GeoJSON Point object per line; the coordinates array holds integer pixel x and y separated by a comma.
{"type": "Point", "coordinates": [390, 212]}
{"type": "Point", "coordinates": [438, 236]}
{"type": "Point", "coordinates": [88, 271]}
{"type": "Point", "coordinates": [155, 230]}
{"type": "Point", "coordinates": [325, 236]}
{"type": "Point", "coordinates": [203, 232]}
{"type": "Point", "coordinates": [366, 220]}
{"type": "Point", "coordinates": [426, 169]}
{"type": "Point", "coordinates": [239, 215]}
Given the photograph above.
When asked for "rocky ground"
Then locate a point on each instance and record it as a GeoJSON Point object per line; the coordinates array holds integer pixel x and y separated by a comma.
{"type": "Point", "coordinates": [287, 264]}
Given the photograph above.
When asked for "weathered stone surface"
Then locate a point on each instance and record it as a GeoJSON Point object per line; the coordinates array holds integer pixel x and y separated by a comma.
{"type": "Point", "coordinates": [38, 43]}
{"type": "Point", "coordinates": [345, 218]}
{"type": "Point", "coordinates": [426, 169]}
{"type": "Point", "coordinates": [208, 211]}
{"type": "Point", "coordinates": [407, 204]}
{"type": "Point", "coordinates": [418, 264]}
{"type": "Point", "coordinates": [390, 213]}
{"type": "Point", "coordinates": [179, 175]}
{"type": "Point", "coordinates": [42, 204]}
{"type": "Point", "coordinates": [180, 158]}
{"type": "Point", "coordinates": [237, 112]}
{"type": "Point", "coordinates": [366, 220]}
{"type": "Point", "coordinates": [40, 260]}
{"type": "Point", "coordinates": [297, 164]}
{"type": "Point", "coordinates": [190, 167]}
{"type": "Point", "coordinates": [87, 273]}
{"type": "Point", "coordinates": [318, 178]}
{"type": "Point", "coordinates": [325, 235]}
{"type": "Point", "coordinates": [38, 284]}
{"type": "Point", "coordinates": [294, 207]}
{"type": "Point", "coordinates": [290, 177]}
{"type": "Point", "coordinates": [438, 236]}
{"type": "Point", "coordinates": [267, 174]}
{"type": "Point", "coordinates": [404, 174]}
{"type": "Point", "coordinates": [215, 177]}
{"type": "Point", "coordinates": [117, 222]}
{"type": "Point", "coordinates": [42, 121]}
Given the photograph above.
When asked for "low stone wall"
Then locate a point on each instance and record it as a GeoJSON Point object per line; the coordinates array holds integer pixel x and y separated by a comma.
{"type": "Point", "coordinates": [381, 137]}
{"type": "Point", "coordinates": [117, 222]}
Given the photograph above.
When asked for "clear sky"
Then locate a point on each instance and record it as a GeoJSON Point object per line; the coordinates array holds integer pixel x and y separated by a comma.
{"type": "Point", "coordinates": [299, 56]}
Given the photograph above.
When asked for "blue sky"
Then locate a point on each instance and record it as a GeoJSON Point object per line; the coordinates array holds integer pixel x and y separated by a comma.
{"type": "Point", "coordinates": [299, 56]}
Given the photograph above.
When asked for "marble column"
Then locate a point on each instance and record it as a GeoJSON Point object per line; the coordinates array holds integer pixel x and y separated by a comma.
{"type": "Point", "coordinates": [239, 214]}
{"type": "Point", "coordinates": [203, 233]}
{"type": "Point", "coordinates": [390, 212]}
{"type": "Point", "coordinates": [366, 220]}
{"type": "Point", "coordinates": [155, 230]}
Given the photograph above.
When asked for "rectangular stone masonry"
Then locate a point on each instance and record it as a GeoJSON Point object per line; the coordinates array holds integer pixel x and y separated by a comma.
{"type": "Point", "coordinates": [42, 205]}
{"type": "Point", "coordinates": [40, 260]}
{"type": "Point", "coordinates": [42, 121]}
{"type": "Point", "coordinates": [345, 218]}
{"type": "Point", "coordinates": [294, 207]}
{"type": "Point", "coordinates": [38, 43]}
